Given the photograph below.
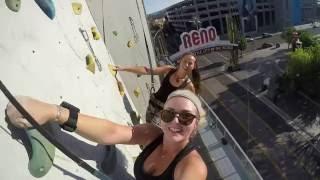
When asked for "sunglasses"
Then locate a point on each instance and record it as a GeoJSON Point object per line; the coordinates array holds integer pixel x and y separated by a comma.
{"type": "Point", "coordinates": [184, 118]}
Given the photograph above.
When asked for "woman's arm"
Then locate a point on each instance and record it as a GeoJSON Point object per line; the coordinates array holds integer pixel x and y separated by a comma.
{"type": "Point", "coordinates": [143, 70]}
{"type": "Point", "coordinates": [190, 87]}
{"type": "Point", "coordinates": [99, 130]}
{"type": "Point", "coordinates": [191, 167]}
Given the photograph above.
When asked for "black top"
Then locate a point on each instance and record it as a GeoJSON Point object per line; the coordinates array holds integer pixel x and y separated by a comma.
{"type": "Point", "coordinates": [166, 87]}
{"type": "Point", "coordinates": [168, 174]}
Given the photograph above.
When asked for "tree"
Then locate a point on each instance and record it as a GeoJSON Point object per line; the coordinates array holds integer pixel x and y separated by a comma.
{"type": "Point", "coordinates": [303, 70]}
{"type": "Point", "coordinates": [242, 44]}
{"type": "Point", "coordinates": [306, 39]}
{"type": "Point", "coordinates": [287, 35]}
{"type": "Point", "coordinates": [233, 33]}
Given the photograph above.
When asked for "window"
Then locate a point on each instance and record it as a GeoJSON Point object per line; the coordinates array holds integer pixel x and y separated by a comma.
{"type": "Point", "coordinates": [267, 16]}
{"type": "Point", "coordinates": [260, 19]}
{"type": "Point", "coordinates": [224, 24]}
{"type": "Point", "coordinates": [223, 5]}
{"type": "Point", "coordinates": [273, 18]}
{"type": "Point", "coordinates": [213, 6]}
{"type": "Point", "coordinates": [224, 12]}
{"type": "Point", "coordinates": [203, 15]}
{"type": "Point", "coordinates": [205, 24]}
{"type": "Point", "coordinates": [217, 25]}
{"type": "Point", "coordinates": [202, 9]}
{"type": "Point", "coordinates": [214, 13]}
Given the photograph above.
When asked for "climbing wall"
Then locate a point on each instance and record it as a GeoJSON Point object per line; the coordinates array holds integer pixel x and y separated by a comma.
{"type": "Point", "coordinates": [124, 27]}
{"type": "Point", "coordinates": [53, 51]}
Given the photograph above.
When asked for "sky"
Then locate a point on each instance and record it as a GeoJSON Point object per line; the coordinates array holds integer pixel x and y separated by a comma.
{"type": "Point", "coordinates": [156, 5]}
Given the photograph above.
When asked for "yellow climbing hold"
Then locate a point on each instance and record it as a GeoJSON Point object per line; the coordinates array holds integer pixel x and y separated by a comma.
{"type": "Point", "coordinates": [121, 88]}
{"type": "Point", "coordinates": [77, 8]}
{"type": "Point", "coordinates": [111, 69]}
{"type": "Point", "coordinates": [130, 44]}
{"type": "Point", "coordinates": [95, 33]}
{"type": "Point", "coordinates": [137, 92]}
{"type": "Point", "coordinates": [91, 66]}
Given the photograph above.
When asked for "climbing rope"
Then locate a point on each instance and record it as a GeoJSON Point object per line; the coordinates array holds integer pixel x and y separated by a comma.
{"type": "Point", "coordinates": [50, 138]}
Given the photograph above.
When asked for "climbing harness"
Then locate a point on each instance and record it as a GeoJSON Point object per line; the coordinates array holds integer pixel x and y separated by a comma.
{"type": "Point", "coordinates": [86, 38]}
{"type": "Point", "coordinates": [45, 133]}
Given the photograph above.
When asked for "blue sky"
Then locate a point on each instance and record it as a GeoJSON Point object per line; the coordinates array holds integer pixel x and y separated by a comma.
{"type": "Point", "coordinates": [156, 5]}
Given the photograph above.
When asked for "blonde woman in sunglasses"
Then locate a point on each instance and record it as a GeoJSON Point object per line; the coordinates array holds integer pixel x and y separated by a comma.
{"type": "Point", "coordinates": [169, 152]}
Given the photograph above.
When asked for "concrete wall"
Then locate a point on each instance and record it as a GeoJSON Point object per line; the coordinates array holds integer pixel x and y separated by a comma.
{"type": "Point", "coordinates": [114, 16]}
{"type": "Point", "coordinates": [45, 59]}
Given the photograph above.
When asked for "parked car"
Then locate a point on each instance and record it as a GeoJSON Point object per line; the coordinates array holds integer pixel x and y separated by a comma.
{"type": "Point", "coordinates": [249, 38]}
{"type": "Point", "coordinates": [266, 35]}
{"type": "Point", "coordinates": [265, 45]}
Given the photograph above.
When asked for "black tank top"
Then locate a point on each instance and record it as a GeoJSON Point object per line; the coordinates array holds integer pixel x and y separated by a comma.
{"type": "Point", "coordinates": [168, 174]}
{"type": "Point", "coordinates": [166, 87]}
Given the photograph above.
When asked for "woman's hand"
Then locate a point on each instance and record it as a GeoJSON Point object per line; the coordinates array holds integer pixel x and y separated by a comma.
{"type": "Point", "coordinates": [118, 68]}
{"type": "Point", "coordinates": [42, 112]}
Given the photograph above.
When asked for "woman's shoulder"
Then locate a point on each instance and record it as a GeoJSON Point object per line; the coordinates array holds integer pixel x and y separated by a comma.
{"type": "Point", "coordinates": [192, 165]}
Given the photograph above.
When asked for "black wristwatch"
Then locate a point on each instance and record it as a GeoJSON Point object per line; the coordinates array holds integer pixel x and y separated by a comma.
{"type": "Point", "coordinates": [71, 124]}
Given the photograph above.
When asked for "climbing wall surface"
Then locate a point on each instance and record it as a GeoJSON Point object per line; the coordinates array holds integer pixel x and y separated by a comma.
{"type": "Point", "coordinates": [45, 55]}
{"type": "Point", "coordinates": [124, 27]}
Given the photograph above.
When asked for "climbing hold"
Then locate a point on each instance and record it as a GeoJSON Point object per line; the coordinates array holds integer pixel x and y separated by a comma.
{"type": "Point", "coordinates": [95, 33]}
{"type": "Point", "coordinates": [115, 33]}
{"type": "Point", "coordinates": [77, 8]}
{"type": "Point", "coordinates": [47, 6]}
{"type": "Point", "coordinates": [111, 69]}
{"type": "Point", "coordinates": [121, 88]}
{"type": "Point", "coordinates": [90, 63]}
{"type": "Point", "coordinates": [130, 44]}
{"type": "Point", "coordinates": [137, 92]}
{"type": "Point", "coordinates": [13, 5]}
{"type": "Point", "coordinates": [42, 155]}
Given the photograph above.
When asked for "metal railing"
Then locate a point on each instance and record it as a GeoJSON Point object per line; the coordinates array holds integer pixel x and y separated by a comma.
{"type": "Point", "coordinates": [215, 122]}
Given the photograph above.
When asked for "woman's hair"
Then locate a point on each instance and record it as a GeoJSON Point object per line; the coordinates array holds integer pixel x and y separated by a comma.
{"type": "Point", "coordinates": [195, 75]}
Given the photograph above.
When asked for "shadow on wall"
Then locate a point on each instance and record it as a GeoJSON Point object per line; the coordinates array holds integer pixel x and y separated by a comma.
{"type": "Point", "coordinates": [109, 159]}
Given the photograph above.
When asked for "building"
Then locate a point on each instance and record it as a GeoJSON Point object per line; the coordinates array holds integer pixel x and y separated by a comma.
{"type": "Point", "coordinates": [252, 16]}
{"type": "Point", "coordinates": [192, 14]}
{"type": "Point", "coordinates": [288, 13]}
{"type": "Point", "coordinates": [310, 11]}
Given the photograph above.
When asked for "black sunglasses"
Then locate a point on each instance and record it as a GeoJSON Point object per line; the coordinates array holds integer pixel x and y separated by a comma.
{"type": "Point", "coordinates": [184, 118]}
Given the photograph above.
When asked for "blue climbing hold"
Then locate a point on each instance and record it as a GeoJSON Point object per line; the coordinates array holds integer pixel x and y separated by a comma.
{"type": "Point", "coordinates": [47, 6]}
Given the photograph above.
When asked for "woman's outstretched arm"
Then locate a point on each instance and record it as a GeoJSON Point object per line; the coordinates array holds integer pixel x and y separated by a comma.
{"type": "Point", "coordinates": [99, 130]}
{"type": "Point", "coordinates": [143, 70]}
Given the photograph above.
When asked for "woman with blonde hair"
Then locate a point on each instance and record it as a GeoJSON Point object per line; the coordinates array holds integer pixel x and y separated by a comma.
{"type": "Point", "coordinates": [169, 152]}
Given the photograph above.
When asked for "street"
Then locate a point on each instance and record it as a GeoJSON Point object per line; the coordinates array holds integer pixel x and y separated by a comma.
{"type": "Point", "coordinates": [267, 131]}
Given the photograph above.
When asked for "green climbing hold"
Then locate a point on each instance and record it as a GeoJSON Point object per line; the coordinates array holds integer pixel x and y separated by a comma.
{"type": "Point", "coordinates": [115, 33]}
{"type": "Point", "coordinates": [42, 156]}
{"type": "Point", "coordinates": [13, 5]}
